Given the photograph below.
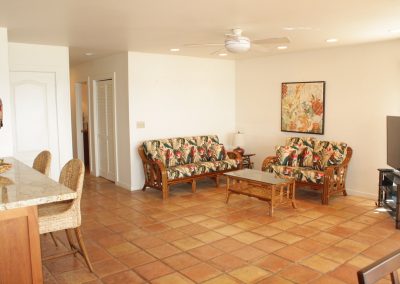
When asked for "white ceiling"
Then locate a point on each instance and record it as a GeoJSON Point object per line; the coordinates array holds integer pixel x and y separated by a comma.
{"type": "Point", "coordinates": [105, 27]}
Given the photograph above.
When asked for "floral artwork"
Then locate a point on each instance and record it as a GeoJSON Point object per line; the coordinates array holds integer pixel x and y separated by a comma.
{"type": "Point", "coordinates": [303, 107]}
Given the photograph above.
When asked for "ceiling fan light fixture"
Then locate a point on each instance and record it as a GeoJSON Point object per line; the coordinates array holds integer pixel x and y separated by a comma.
{"type": "Point", "coordinates": [331, 40]}
{"type": "Point", "coordinates": [238, 45]}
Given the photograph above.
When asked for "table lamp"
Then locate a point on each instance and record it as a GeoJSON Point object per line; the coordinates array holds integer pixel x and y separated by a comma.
{"type": "Point", "coordinates": [238, 141]}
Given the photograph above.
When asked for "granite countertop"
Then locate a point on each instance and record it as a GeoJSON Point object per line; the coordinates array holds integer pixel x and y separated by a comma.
{"type": "Point", "coordinates": [22, 186]}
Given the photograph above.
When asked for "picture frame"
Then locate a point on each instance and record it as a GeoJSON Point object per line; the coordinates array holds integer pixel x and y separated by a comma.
{"type": "Point", "coordinates": [303, 107]}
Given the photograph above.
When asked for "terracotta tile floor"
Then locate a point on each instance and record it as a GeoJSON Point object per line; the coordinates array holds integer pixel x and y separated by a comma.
{"type": "Point", "coordinates": [135, 237]}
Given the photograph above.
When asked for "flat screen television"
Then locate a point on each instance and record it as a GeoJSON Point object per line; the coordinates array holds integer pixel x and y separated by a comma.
{"type": "Point", "coordinates": [393, 141]}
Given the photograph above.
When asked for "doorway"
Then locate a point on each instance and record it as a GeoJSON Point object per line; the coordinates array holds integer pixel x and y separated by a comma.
{"type": "Point", "coordinates": [82, 123]}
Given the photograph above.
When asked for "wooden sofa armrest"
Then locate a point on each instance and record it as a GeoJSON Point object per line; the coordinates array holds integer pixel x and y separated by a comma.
{"type": "Point", "coordinates": [339, 170]}
{"type": "Point", "coordinates": [335, 178]}
{"type": "Point", "coordinates": [235, 155]}
{"type": "Point", "coordinates": [155, 172]}
{"type": "Point", "coordinates": [270, 160]}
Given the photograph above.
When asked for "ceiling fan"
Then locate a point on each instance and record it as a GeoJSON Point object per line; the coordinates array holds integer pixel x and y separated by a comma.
{"type": "Point", "coordinates": [236, 43]}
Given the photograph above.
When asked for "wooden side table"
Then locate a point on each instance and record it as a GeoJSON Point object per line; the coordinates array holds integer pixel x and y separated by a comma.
{"type": "Point", "coordinates": [247, 163]}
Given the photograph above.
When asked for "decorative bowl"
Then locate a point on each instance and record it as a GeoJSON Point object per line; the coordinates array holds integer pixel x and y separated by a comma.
{"type": "Point", "coordinates": [4, 167]}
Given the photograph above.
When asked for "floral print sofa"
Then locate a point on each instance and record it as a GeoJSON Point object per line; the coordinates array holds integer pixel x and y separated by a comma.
{"type": "Point", "coordinates": [321, 165]}
{"type": "Point", "coordinates": [185, 159]}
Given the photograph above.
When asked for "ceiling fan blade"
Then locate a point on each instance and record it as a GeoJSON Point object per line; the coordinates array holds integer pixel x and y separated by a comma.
{"type": "Point", "coordinates": [260, 48]}
{"type": "Point", "coordinates": [203, 44]}
{"type": "Point", "coordinates": [272, 40]}
{"type": "Point", "coordinates": [218, 51]}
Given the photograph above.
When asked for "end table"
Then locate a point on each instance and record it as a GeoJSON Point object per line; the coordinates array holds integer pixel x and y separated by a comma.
{"type": "Point", "coordinates": [247, 163]}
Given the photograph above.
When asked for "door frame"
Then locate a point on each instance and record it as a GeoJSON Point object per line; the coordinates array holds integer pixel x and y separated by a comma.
{"type": "Point", "coordinates": [78, 119]}
{"type": "Point", "coordinates": [94, 129]}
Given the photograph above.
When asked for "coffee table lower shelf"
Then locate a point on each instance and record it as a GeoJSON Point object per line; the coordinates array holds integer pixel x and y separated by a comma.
{"type": "Point", "coordinates": [273, 194]}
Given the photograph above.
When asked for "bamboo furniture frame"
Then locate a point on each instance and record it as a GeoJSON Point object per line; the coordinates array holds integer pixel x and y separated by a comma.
{"type": "Point", "coordinates": [155, 174]}
{"type": "Point", "coordinates": [273, 190]}
{"type": "Point", "coordinates": [331, 184]}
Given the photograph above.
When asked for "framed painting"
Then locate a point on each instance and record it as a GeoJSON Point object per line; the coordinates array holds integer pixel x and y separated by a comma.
{"type": "Point", "coordinates": [303, 107]}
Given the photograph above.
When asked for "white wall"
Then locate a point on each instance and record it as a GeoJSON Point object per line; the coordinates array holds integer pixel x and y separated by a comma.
{"type": "Point", "coordinates": [6, 138]}
{"type": "Point", "coordinates": [54, 59]}
{"type": "Point", "coordinates": [178, 96]}
{"type": "Point", "coordinates": [115, 66]}
{"type": "Point", "coordinates": [362, 88]}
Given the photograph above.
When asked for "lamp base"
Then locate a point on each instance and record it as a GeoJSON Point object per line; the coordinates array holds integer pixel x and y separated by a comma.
{"type": "Point", "coordinates": [239, 150]}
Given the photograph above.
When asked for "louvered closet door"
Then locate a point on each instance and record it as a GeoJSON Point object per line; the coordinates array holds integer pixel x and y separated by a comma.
{"type": "Point", "coordinates": [105, 129]}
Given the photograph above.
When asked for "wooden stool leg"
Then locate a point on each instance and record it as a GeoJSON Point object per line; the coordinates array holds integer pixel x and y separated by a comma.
{"type": "Point", "coordinates": [83, 248]}
{"type": "Point", "coordinates": [54, 239]}
{"type": "Point", "coordinates": [69, 238]}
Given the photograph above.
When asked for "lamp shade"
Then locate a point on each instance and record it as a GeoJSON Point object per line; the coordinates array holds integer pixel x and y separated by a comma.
{"type": "Point", "coordinates": [238, 140]}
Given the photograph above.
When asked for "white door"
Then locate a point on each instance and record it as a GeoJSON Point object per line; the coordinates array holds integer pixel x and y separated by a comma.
{"type": "Point", "coordinates": [34, 109]}
{"type": "Point", "coordinates": [105, 129]}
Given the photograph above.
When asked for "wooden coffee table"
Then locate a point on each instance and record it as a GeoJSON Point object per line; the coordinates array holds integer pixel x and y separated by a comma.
{"type": "Point", "coordinates": [262, 185]}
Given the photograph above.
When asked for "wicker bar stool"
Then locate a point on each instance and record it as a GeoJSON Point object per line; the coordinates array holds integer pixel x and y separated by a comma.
{"type": "Point", "coordinates": [66, 215]}
{"type": "Point", "coordinates": [42, 162]}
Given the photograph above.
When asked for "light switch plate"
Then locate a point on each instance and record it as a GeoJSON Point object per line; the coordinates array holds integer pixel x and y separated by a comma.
{"type": "Point", "coordinates": [140, 124]}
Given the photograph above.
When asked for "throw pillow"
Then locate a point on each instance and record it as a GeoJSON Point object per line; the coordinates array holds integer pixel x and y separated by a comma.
{"type": "Point", "coordinates": [287, 155]}
{"type": "Point", "coordinates": [301, 142]}
{"type": "Point", "coordinates": [317, 161]}
{"type": "Point", "coordinates": [186, 151]}
{"type": "Point", "coordinates": [198, 154]}
{"type": "Point", "coordinates": [216, 152]}
{"type": "Point", "coordinates": [333, 153]}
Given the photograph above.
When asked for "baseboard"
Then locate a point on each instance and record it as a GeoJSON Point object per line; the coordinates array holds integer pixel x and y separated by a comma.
{"type": "Point", "coordinates": [123, 185]}
{"type": "Point", "coordinates": [361, 193]}
{"type": "Point", "coordinates": [137, 187]}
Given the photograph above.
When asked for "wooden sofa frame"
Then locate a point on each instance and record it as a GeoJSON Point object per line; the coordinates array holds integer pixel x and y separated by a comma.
{"type": "Point", "coordinates": [330, 185]}
{"type": "Point", "coordinates": [155, 174]}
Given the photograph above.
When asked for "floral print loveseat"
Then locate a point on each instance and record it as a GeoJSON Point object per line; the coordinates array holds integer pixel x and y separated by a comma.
{"type": "Point", "coordinates": [320, 165]}
{"type": "Point", "coordinates": [185, 159]}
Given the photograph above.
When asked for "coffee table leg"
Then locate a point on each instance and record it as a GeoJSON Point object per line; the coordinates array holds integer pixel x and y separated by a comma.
{"type": "Point", "coordinates": [227, 189]}
{"type": "Point", "coordinates": [271, 205]}
{"type": "Point", "coordinates": [293, 190]}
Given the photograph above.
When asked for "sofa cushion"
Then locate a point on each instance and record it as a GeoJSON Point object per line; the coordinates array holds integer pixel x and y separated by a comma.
{"type": "Point", "coordinates": [189, 170]}
{"type": "Point", "coordinates": [300, 174]}
{"type": "Point", "coordinates": [207, 141]}
{"type": "Point", "coordinates": [180, 171]}
{"type": "Point", "coordinates": [310, 175]}
{"type": "Point", "coordinates": [204, 141]}
{"type": "Point", "coordinates": [283, 171]}
{"type": "Point", "coordinates": [287, 155]}
{"type": "Point", "coordinates": [332, 153]}
{"type": "Point", "coordinates": [183, 142]}
{"type": "Point", "coordinates": [151, 148]}
{"type": "Point", "coordinates": [301, 142]}
{"type": "Point", "coordinates": [216, 152]}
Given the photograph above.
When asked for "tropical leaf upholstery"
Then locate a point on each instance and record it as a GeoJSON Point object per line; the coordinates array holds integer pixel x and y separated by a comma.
{"type": "Point", "coordinates": [332, 153]}
{"type": "Point", "coordinates": [216, 152]}
{"type": "Point", "coordinates": [188, 156]}
{"type": "Point", "coordinates": [305, 158]}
